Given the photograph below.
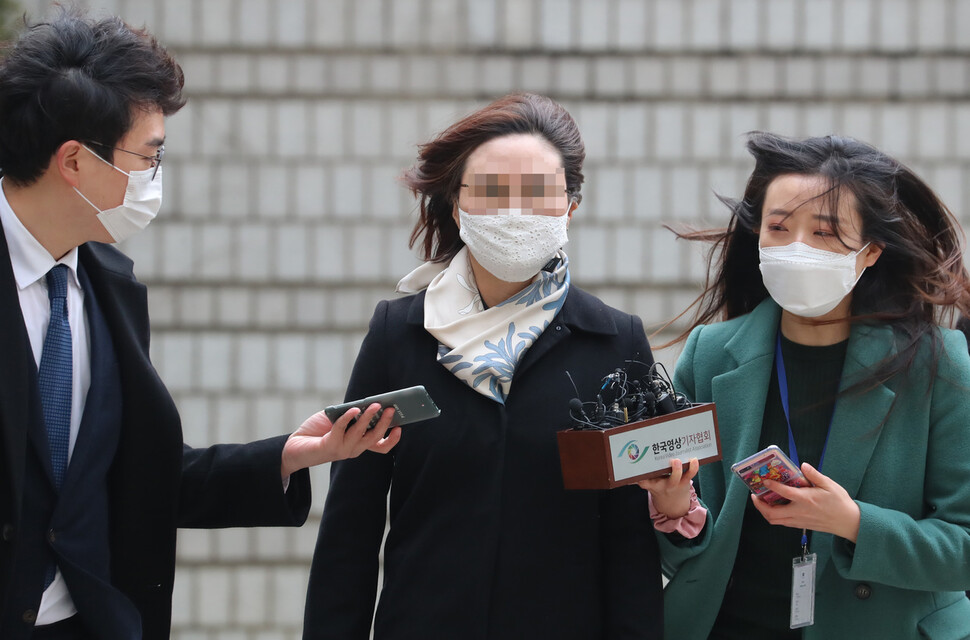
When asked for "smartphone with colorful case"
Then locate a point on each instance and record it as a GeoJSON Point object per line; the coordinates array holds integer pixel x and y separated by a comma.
{"type": "Point", "coordinates": [769, 464]}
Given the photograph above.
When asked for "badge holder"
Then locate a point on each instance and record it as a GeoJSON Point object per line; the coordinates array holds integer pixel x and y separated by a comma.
{"type": "Point", "coordinates": [803, 587]}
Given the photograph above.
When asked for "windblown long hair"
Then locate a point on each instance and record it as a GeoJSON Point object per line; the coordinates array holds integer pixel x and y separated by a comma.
{"type": "Point", "coordinates": [919, 281]}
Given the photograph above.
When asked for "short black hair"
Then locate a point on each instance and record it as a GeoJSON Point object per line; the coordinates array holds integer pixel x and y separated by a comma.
{"type": "Point", "coordinates": [76, 78]}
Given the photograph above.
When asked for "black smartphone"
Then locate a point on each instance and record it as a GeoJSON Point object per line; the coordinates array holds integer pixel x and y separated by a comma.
{"type": "Point", "coordinates": [410, 405]}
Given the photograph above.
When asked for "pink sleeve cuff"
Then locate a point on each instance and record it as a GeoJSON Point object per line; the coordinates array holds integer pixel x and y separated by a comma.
{"type": "Point", "coordinates": [689, 525]}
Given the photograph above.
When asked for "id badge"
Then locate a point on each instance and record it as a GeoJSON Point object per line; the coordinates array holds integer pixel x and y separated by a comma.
{"type": "Point", "coordinates": [803, 591]}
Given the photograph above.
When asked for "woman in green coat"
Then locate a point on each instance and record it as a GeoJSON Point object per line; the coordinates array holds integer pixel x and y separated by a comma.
{"type": "Point", "coordinates": [831, 280]}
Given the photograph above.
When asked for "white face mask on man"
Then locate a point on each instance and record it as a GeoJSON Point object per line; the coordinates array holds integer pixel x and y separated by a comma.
{"type": "Point", "coordinates": [143, 199]}
{"type": "Point", "coordinates": [806, 281]}
{"type": "Point", "coordinates": [513, 247]}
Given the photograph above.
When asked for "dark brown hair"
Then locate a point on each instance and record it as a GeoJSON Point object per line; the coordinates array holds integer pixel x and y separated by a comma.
{"type": "Point", "coordinates": [917, 282]}
{"type": "Point", "coordinates": [436, 177]}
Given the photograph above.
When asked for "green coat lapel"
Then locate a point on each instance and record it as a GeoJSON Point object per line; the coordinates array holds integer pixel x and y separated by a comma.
{"type": "Point", "coordinates": [740, 395]}
{"type": "Point", "coordinates": [859, 417]}
{"type": "Point", "coordinates": [857, 423]}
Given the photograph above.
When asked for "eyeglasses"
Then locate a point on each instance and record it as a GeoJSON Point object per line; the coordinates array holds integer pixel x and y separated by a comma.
{"type": "Point", "coordinates": [155, 159]}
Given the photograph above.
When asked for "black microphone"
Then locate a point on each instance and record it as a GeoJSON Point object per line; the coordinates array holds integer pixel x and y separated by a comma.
{"type": "Point", "coordinates": [665, 404]}
{"type": "Point", "coordinates": [577, 405]}
{"type": "Point", "coordinates": [600, 407]}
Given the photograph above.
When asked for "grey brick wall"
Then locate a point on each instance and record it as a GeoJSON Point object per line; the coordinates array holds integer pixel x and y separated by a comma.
{"type": "Point", "coordinates": [283, 223]}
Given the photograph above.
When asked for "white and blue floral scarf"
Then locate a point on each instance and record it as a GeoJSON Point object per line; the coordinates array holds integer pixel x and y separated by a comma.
{"type": "Point", "coordinates": [482, 347]}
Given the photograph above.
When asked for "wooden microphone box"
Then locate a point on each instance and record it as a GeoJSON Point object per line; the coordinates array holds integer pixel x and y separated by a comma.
{"type": "Point", "coordinates": [622, 455]}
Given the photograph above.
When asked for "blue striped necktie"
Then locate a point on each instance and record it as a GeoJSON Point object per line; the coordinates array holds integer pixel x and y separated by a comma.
{"type": "Point", "coordinates": [54, 379]}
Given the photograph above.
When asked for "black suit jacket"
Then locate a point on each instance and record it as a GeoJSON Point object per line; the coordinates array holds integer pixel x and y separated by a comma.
{"type": "Point", "coordinates": [484, 541]}
{"type": "Point", "coordinates": [156, 483]}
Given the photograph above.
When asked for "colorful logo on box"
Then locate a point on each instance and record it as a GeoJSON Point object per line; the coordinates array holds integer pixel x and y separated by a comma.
{"type": "Point", "coordinates": [632, 451]}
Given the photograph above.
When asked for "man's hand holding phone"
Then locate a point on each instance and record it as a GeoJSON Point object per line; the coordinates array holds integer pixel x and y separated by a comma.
{"type": "Point", "coordinates": [318, 441]}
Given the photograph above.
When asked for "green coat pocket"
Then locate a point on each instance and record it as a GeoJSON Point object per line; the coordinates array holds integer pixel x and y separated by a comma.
{"type": "Point", "coordinates": [948, 623]}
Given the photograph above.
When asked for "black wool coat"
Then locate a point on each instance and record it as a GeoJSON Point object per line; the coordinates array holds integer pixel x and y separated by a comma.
{"type": "Point", "coordinates": [484, 542]}
{"type": "Point", "coordinates": [157, 483]}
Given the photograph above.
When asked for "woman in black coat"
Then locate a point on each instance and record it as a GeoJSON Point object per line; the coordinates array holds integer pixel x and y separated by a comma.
{"type": "Point", "coordinates": [484, 542]}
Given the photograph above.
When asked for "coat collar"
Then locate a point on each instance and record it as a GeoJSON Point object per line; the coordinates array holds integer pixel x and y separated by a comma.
{"type": "Point", "coordinates": [123, 300]}
{"type": "Point", "coordinates": [104, 258]}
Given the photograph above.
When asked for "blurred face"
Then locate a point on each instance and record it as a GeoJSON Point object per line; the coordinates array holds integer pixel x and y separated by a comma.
{"type": "Point", "coordinates": [512, 209]}
{"type": "Point", "coordinates": [518, 174]}
{"type": "Point", "coordinates": [797, 209]}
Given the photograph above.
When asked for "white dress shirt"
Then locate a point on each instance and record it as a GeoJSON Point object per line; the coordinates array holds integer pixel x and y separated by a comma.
{"type": "Point", "coordinates": [31, 262]}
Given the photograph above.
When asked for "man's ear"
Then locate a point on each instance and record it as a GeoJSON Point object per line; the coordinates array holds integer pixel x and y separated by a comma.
{"type": "Point", "coordinates": [573, 205]}
{"type": "Point", "coordinates": [66, 160]}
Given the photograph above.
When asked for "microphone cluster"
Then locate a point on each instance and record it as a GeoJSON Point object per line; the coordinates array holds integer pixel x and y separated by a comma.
{"type": "Point", "coordinates": [623, 398]}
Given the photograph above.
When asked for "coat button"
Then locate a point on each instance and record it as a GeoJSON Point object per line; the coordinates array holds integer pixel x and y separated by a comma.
{"type": "Point", "coordinates": [8, 532]}
{"type": "Point", "coordinates": [863, 591]}
{"type": "Point", "coordinates": [51, 536]}
{"type": "Point", "coordinates": [30, 616]}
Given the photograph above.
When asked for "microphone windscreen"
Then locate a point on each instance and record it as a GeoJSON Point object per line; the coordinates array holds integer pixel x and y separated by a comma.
{"type": "Point", "coordinates": [665, 404]}
{"type": "Point", "coordinates": [576, 404]}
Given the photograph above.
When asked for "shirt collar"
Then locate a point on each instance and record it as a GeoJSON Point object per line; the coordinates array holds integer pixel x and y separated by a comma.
{"type": "Point", "coordinates": [28, 257]}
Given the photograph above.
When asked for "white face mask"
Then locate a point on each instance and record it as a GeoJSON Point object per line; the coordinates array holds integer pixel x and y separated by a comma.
{"type": "Point", "coordinates": [143, 199]}
{"type": "Point", "coordinates": [513, 247]}
{"type": "Point", "coordinates": [805, 281]}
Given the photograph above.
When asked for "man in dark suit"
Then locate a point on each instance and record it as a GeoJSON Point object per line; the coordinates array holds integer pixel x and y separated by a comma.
{"type": "Point", "coordinates": [94, 477]}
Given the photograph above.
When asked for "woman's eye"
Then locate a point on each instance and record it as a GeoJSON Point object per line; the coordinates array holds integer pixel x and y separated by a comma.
{"type": "Point", "coordinates": [775, 227]}
{"type": "Point", "coordinates": [497, 191]}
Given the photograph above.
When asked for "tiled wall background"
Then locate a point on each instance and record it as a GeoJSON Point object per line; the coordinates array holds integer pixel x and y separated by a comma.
{"type": "Point", "coordinates": [283, 222]}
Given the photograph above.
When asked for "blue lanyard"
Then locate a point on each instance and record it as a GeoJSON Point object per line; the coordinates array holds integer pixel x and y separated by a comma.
{"type": "Point", "coordinates": [792, 449]}
{"type": "Point", "coordinates": [783, 388]}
